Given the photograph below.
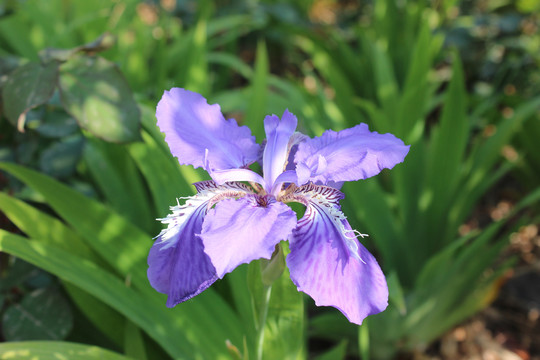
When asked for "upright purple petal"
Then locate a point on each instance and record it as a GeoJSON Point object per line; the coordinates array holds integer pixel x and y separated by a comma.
{"type": "Point", "coordinates": [239, 231]}
{"type": "Point", "coordinates": [327, 262]}
{"type": "Point", "coordinates": [178, 265]}
{"type": "Point", "coordinates": [278, 134]}
{"type": "Point", "coordinates": [348, 155]}
{"type": "Point", "coordinates": [199, 135]}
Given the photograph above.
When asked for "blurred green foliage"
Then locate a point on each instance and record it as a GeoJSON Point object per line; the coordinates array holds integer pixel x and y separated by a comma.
{"type": "Point", "coordinates": [84, 182]}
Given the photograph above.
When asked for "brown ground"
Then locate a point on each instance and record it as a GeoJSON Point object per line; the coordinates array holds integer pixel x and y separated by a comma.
{"type": "Point", "coordinates": [510, 328]}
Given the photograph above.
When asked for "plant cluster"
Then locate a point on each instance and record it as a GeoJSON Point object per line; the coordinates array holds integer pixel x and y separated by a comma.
{"type": "Point", "coordinates": [85, 171]}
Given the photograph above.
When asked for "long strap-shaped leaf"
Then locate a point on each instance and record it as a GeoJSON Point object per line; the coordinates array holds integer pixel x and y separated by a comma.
{"type": "Point", "coordinates": [27, 350]}
{"type": "Point", "coordinates": [208, 319]}
{"type": "Point", "coordinates": [105, 286]}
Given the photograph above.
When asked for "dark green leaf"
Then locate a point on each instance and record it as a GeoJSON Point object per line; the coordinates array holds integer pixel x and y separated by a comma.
{"type": "Point", "coordinates": [56, 124]}
{"type": "Point", "coordinates": [60, 159]}
{"type": "Point", "coordinates": [336, 353]}
{"type": "Point", "coordinates": [42, 315]}
{"type": "Point", "coordinates": [27, 87]}
{"type": "Point", "coordinates": [96, 93]}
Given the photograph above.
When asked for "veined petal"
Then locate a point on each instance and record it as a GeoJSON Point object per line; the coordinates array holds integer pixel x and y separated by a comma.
{"type": "Point", "coordinates": [239, 231]}
{"type": "Point", "coordinates": [278, 134]}
{"type": "Point", "coordinates": [178, 265]}
{"type": "Point", "coordinates": [199, 135]}
{"type": "Point", "coordinates": [327, 262]}
{"type": "Point", "coordinates": [348, 155]}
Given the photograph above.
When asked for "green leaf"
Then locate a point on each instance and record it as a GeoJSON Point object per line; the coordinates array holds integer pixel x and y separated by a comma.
{"type": "Point", "coordinates": [125, 247]}
{"type": "Point", "coordinates": [96, 93]}
{"type": "Point", "coordinates": [61, 158]}
{"type": "Point", "coordinates": [18, 273]}
{"type": "Point", "coordinates": [109, 321]}
{"type": "Point", "coordinates": [337, 352]}
{"type": "Point", "coordinates": [120, 181]}
{"type": "Point", "coordinates": [29, 86]}
{"type": "Point", "coordinates": [46, 350]}
{"type": "Point", "coordinates": [161, 173]}
{"type": "Point", "coordinates": [39, 225]}
{"type": "Point", "coordinates": [42, 315]}
{"type": "Point", "coordinates": [284, 334]}
{"type": "Point", "coordinates": [386, 85]}
{"type": "Point", "coordinates": [134, 342]}
{"type": "Point", "coordinates": [396, 293]}
{"type": "Point", "coordinates": [105, 286]}
{"type": "Point", "coordinates": [256, 110]}
{"type": "Point", "coordinates": [196, 68]}
{"type": "Point", "coordinates": [57, 124]}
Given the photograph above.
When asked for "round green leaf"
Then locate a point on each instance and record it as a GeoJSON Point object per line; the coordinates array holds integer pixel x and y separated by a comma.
{"type": "Point", "coordinates": [42, 315]}
{"type": "Point", "coordinates": [27, 87]}
{"type": "Point", "coordinates": [60, 159]}
{"type": "Point", "coordinates": [56, 124]}
{"type": "Point", "coordinates": [98, 96]}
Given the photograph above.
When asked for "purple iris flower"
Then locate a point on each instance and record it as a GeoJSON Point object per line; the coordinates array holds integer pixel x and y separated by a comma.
{"type": "Point", "coordinates": [228, 222]}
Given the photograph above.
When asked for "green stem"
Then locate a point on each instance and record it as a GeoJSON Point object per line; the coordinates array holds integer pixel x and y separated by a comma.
{"type": "Point", "coordinates": [262, 320]}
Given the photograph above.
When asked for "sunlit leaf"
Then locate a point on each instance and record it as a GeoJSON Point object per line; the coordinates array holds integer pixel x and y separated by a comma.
{"type": "Point", "coordinates": [96, 93]}
{"type": "Point", "coordinates": [45, 350]}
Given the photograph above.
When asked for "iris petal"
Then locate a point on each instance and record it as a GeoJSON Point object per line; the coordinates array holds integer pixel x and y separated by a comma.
{"type": "Point", "coordinates": [327, 262]}
{"type": "Point", "coordinates": [198, 134]}
{"type": "Point", "coordinates": [348, 155]}
{"type": "Point", "coordinates": [239, 231]}
{"type": "Point", "coordinates": [178, 265]}
{"type": "Point", "coordinates": [275, 155]}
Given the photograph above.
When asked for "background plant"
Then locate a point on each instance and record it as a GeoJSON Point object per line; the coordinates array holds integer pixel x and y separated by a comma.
{"type": "Point", "coordinates": [406, 68]}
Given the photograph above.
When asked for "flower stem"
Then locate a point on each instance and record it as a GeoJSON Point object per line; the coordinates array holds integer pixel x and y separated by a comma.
{"type": "Point", "coordinates": [262, 320]}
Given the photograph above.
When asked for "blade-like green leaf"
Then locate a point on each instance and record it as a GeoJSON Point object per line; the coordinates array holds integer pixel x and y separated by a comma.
{"type": "Point", "coordinates": [39, 225]}
{"type": "Point", "coordinates": [284, 334]}
{"type": "Point", "coordinates": [125, 247]}
{"type": "Point", "coordinates": [120, 182]}
{"type": "Point", "coordinates": [256, 110]}
{"type": "Point", "coordinates": [46, 350]}
{"type": "Point", "coordinates": [109, 321]}
{"type": "Point", "coordinates": [108, 288]}
{"type": "Point", "coordinates": [196, 67]}
{"type": "Point", "coordinates": [134, 342]}
{"type": "Point", "coordinates": [161, 173]}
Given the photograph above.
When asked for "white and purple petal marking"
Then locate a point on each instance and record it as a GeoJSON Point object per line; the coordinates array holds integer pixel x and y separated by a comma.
{"type": "Point", "coordinates": [177, 263]}
{"type": "Point", "coordinates": [229, 223]}
{"type": "Point", "coordinates": [327, 262]}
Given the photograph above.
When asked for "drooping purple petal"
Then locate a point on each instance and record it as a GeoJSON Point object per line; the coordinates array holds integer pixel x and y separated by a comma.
{"type": "Point", "coordinates": [239, 231]}
{"type": "Point", "coordinates": [278, 134]}
{"type": "Point", "coordinates": [178, 265]}
{"type": "Point", "coordinates": [327, 262]}
{"type": "Point", "coordinates": [348, 155]}
{"type": "Point", "coordinates": [199, 135]}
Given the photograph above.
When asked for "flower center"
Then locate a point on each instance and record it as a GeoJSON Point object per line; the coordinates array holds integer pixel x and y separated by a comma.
{"type": "Point", "coordinates": [263, 200]}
